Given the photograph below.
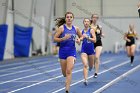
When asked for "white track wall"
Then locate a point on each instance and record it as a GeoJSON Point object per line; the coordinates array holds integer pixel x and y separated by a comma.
{"type": "Point", "coordinates": [60, 8]}
{"type": "Point", "coordinates": [9, 48]}
{"type": "Point", "coordinates": [118, 8]}
{"type": "Point", "coordinates": [23, 12]}
{"type": "Point", "coordinates": [2, 11]}
{"type": "Point", "coordinates": [44, 8]}
{"type": "Point", "coordinates": [111, 35]}
{"type": "Point", "coordinates": [21, 16]}
{"type": "Point", "coordinates": [83, 8]}
{"type": "Point", "coordinates": [120, 13]}
{"type": "Point", "coordinates": [29, 13]}
{"type": "Point", "coordinates": [36, 13]}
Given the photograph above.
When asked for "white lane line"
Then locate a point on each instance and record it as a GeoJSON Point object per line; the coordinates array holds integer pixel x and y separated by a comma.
{"type": "Point", "coordinates": [34, 69]}
{"type": "Point", "coordinates": [21, 71]}
{"type": "Point", "coordinates": [46, 80]}
{"type": "Point", "coordinates": [40, 82]}
{"type": "Point", "coordinates": [107, 61]}
{"type": "Point", "coordinates": [93, 75]}
{"type": "Point", "coordinates": [32, 60]}
{"type": "Point", "coordinates": [26, 64]}
{"type": "Point", "coordinates": [54, 81]}
{"type": "Point", "coordinates": [27, 70]}
{"type": "Point", "coordinates": [23, 63]}
{"type": "Point", "coordinates": [20, 63]}
{"type": "Point", "coordinates": [34, 74]}
{"type": "Point", "coordinates": [117, 79]}
{"type": "Point", "coordinates": [29, 76]}
{"type": "Point", "coordinates": [26, 81]}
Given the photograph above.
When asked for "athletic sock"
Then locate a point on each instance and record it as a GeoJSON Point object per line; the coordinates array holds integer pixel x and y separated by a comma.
{"type": "Point", "coordinates": [132, 59]}
{"type": "Point", "coordinates": [67, 91]}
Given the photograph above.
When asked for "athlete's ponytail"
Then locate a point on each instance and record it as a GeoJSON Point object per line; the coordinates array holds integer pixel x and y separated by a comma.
{"type": "Point", "coordinates": [60, 21]}
{"type": "Point", "coordinates": [131, 27]}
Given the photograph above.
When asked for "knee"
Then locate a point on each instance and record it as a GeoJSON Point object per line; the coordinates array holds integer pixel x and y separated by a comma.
{"type": "Point", "coordinates": [96, 59]}
{"type": "Point", "coordinates": [132, 53]}
{"type": "Point", "coordinates": [86, 66]}
{"type": "Point", "coordinates": [129, 54]}
{"type": "Point", "coordinates": [69, 71]}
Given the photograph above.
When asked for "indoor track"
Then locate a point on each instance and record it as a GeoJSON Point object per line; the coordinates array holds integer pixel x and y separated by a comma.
{"type": "Point", "coordinates": [43, 75]}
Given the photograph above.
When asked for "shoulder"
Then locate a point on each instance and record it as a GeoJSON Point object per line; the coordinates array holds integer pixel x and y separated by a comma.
{"type": "Point", "coordinates": [135, 32]}
{"type": "Point", "coordinates": [92, 30]}
{"type": "Point", "coordinates": [61, 28]}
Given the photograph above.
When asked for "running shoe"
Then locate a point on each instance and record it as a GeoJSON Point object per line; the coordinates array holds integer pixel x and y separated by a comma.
{"type": "Point", "coordinates": [95, 75]}
{"type": "Point", "coordinates": [85, 82]}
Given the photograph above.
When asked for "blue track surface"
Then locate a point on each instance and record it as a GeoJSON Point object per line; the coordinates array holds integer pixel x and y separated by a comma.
{"type": "Point", "coordinates": [43, 75]}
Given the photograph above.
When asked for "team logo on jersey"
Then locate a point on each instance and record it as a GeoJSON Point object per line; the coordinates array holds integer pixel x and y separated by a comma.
{"type": "Point", "coordinates": [73, 36]}
{"type": "Point", "coordinates": [88, 41]}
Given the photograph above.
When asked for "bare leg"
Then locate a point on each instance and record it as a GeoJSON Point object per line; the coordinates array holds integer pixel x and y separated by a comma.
{"type": "Point", "coordinates": [63, 64]}
{"type": "Point", "coordinates": [84, 58]}
{"type": "Point", "coordinates": [97, 58]}
{"type": "Point", "coordinates": [70, 65]}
